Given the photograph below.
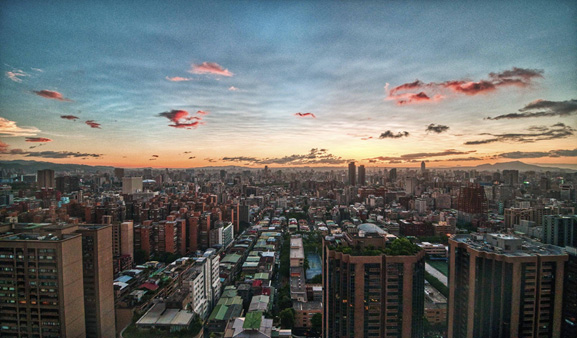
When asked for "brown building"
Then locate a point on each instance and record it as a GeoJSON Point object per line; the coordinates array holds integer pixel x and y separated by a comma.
{"type": "Point", "coordinates": [45, 178]}
{"type": "Point", "coordinates": [504, 286]}
{"type": "Point", "coordinates": [41, 291]}
{"type": "Point", "coordinates": [371, 290]}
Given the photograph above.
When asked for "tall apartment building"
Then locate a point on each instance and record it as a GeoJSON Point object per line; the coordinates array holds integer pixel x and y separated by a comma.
{"type": "Point", "coordinates": [504, 286]}
{"type": "Point", "coordinates": [352, 174]}
{"type": "Point", "coordinates": [41, 286]}
{"type": "Point", "coordinates": [362, 175]}
{"type": "Point", "coordinates": [131, 185]}
{"type": "Point", "coordinates": [560, 230]}
{"type": "Point", "coordinates": [369, 293]}
{"type": "Point", "coordinates": [57, 282]}
{"type": "Point", "coordinates": [45, 178]}
{"type": "Point", "coordinates": [569, 326]}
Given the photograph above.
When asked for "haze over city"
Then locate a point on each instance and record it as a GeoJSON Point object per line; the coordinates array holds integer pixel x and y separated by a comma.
{"type": "Point", "coordinates": [253, 83]}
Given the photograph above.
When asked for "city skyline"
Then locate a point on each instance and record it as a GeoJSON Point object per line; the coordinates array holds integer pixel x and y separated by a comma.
{"type": "Point", "coordinates": [302, 83]}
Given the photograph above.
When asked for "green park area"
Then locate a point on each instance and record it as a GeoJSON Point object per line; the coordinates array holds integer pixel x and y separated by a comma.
{"type": "Point", "coordinates": [442, 266]}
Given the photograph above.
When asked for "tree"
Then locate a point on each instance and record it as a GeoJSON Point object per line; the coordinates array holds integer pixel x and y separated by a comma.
{"type": "Point", "coordinates": [317, 279]}
{"type": "Point", "coordinates": [140, 256]}
{"type": "Point", "coordinates": [287, 318]}
{"type": "Point", "coordinates": [317, 321]}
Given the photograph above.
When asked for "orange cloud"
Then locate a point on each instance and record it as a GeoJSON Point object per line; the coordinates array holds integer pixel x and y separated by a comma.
{"type": "Point", "coordinates": [210, 68]}
{"type": "Point", "coordinates": [49, 94]}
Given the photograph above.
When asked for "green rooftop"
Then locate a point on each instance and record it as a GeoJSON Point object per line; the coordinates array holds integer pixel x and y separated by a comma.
{"type": "Point", "coordinates": [252, 320]}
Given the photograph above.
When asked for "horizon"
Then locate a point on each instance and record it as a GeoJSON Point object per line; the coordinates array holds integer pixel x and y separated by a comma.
{"type": "Point", "coordinates": [298, 84]}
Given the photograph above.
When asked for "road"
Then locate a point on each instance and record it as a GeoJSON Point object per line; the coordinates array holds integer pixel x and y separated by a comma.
{"type": "Point", "coordinates": [436, 274]}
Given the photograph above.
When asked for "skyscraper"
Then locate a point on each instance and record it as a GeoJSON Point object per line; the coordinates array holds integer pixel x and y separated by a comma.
{"type": "Point", "coordinates": [371, 290]}
{"type": "Point", "coordinates": [569, 326]}
{"type": "Point", "coordinates": [560, 230]}
{"type": "Point", "coordinates": [352, 174]}
{"type": "Point", "coordinates": [362, 175]}
{"type": "Point", "coordinates": [131, 185]}
{"type": "Point", "coordinates": [504, 286]}
{"type": "Point", "coordinates": [423, 167]}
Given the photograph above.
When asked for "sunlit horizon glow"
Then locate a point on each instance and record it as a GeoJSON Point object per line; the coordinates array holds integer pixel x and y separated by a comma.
{"type": "Point", "coordinates": [290, 84]}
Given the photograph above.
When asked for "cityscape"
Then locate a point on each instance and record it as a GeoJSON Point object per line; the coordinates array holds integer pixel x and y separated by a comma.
{"type": "Point", "coordinates": [288, 169]}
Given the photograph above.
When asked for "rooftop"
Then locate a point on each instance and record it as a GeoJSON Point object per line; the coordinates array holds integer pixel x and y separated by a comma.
{"type": "Point", "coordinates": [494, 243]}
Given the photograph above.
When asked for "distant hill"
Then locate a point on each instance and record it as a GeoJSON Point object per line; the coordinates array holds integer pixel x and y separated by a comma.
{"type": "Point", "coordinates": [31, 167]}
{"type": "Point", "coordinates": [518, 165]}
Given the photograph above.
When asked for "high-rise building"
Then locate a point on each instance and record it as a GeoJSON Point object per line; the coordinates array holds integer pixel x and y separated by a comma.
{"type": "Point", "coordinates": [504, 286]}
{"type": "Point", "coordinates": [98, 280]}
{"type": "Point", "coordinates": [131, 185]}
{"type": "Point", "coordinates": [393, 174]}
{"type": "Point", "coordinates": [569, 326]}
{"type": "Point", "coordinates": [423, 167]}
{"type": "Point", "coordinates": [560, 230]}
{"type": "Point", "coordinates": [472, 203]}
{"type": "Point", "coordinates": [41, 285]}
{"type": "Point", "coordinates": [119, 173]}
{"type": "Point", "coordinates": [511, 177]}
{"type": "Point", "coordinates": [362, 175]}
{"type": "Point", "coordinates": [352, 174]}
{"type": "Point", "coordinates": [371, 290]}
{"type": "Point", "coordinates": [45, 178]}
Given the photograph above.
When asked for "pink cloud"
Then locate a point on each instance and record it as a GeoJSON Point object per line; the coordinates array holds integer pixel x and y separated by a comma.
{"type": "Point", "coordinates": [418, 91]}
{"type": "Point", "coordinates": [232, 88]}
{"type": "Point", "coordinates": [38, 139]}
{"type": "Point", "coordinates": [49, 94]}
{"type": "Point", "coordinates": [305, 115]}
{"type": "Point", "coordinates": [182, 119]}
{"type": "Point", "coordinates": [210, 68]}
{"type": "Point", "coordinates": [178, 79]}
{"type": "Point", "coordinates": [16, 75]}
{"type": "Point", "coordinates": [93, 124]}
{"type": "Point", "coordinates": [3, 146]}
{"type": "Point", "coordinates": [69, 117]}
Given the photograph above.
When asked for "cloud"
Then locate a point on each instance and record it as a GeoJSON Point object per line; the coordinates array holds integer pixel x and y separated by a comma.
{"type": "Point", "coordinates": [414, 157]}
{"type": "Point", "coordinates": [9, 128]}
{"type": "Point", "coordinates": [16, 75]}
{"type": "Point", "coordinates": [93, 124]}
{"type": "Point", "coordinates": [69, 117]}
{"type": "Point", "coordinates": [418, 91]}
{"type": "Point", "coordinates": [537, 133]}
{"type": "Point", "coordinates": [439, 128]}
{"type": "Point", "coordinates": [232, 88]}
{"type": "Point", "coordinates": [38, 139]}
{"type": "Point", "coordinates": [49, 94]}
{"type": "Point", "coordinates": [538, 154]}
{"type": "Point", "coordinates": [306, 115]}
{"type": "Point", "coordinates": [181, 119]}
{"type": "Point", "coordinates": [210, 68]}
{"type": "Point", "coordinates": [191, 157]}
{"type": "Point", "coordinates": [3, 146]}
{"type": "Point", "coordinates": [61, 154]}
{"type": "Point", "coordinates": [314, 157]}
{"type": "Point", "coordinates": [178, 79]}
{"type": "Point", "coordinates": [155, 156]}
{"type": "Point", "coordinates": [542, 108]}
{"type": "Point", "coordinates": [390, 134]}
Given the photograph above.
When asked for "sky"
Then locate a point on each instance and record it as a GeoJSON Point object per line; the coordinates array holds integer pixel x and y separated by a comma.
{"type": "Point", "coordinates": [182, 84]}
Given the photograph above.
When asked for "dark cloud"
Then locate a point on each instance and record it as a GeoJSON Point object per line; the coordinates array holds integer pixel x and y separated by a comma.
{"type": "Point", "coordinates": [61, 154]}
{"type": "Point", "coordinates": [436, 128]}
{"type": "Point", "coordinates": [537, 133]}
{"type": "Point", "coordinates": [315, 156]}
{"type": "Point", "coordinates": [93, 124]}
{"type": "Point", "coordinates": [538, 154]}
{"type": "Point", "coordinates": [416, 157]}
{"type": "Point", "coordinates": [38, 139]}
{"type": "Point", "coordinates": [418, 91]}
{"type": "Point", "coordinates": [49, 94]}
{"type": "Point", "coordinates": [542, 108]}
{"type": "Point", "coordinates": [390, 134]}
{"type": "Point", "coordinates": [69, 117]}
{"type": "Point", "coordinates": [154, 155]}
{"type": "Point", "coordinates": [306, 115]}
